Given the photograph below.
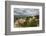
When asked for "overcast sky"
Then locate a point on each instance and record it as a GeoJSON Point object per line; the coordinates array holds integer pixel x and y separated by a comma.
{"type": "Point", "coordinates": [26, 11]}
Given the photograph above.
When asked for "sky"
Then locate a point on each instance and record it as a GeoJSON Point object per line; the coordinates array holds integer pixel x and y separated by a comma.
{"type": "Point", "coordinates": [26, 11]}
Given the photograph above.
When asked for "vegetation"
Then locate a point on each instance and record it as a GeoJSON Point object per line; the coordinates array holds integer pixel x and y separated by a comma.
{"type": "Point", "coordinates": [30, 21]}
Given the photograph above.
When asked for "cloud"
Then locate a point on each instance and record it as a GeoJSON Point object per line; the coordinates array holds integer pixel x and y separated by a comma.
{"type": "Point", "coordinates": [26, 11]}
